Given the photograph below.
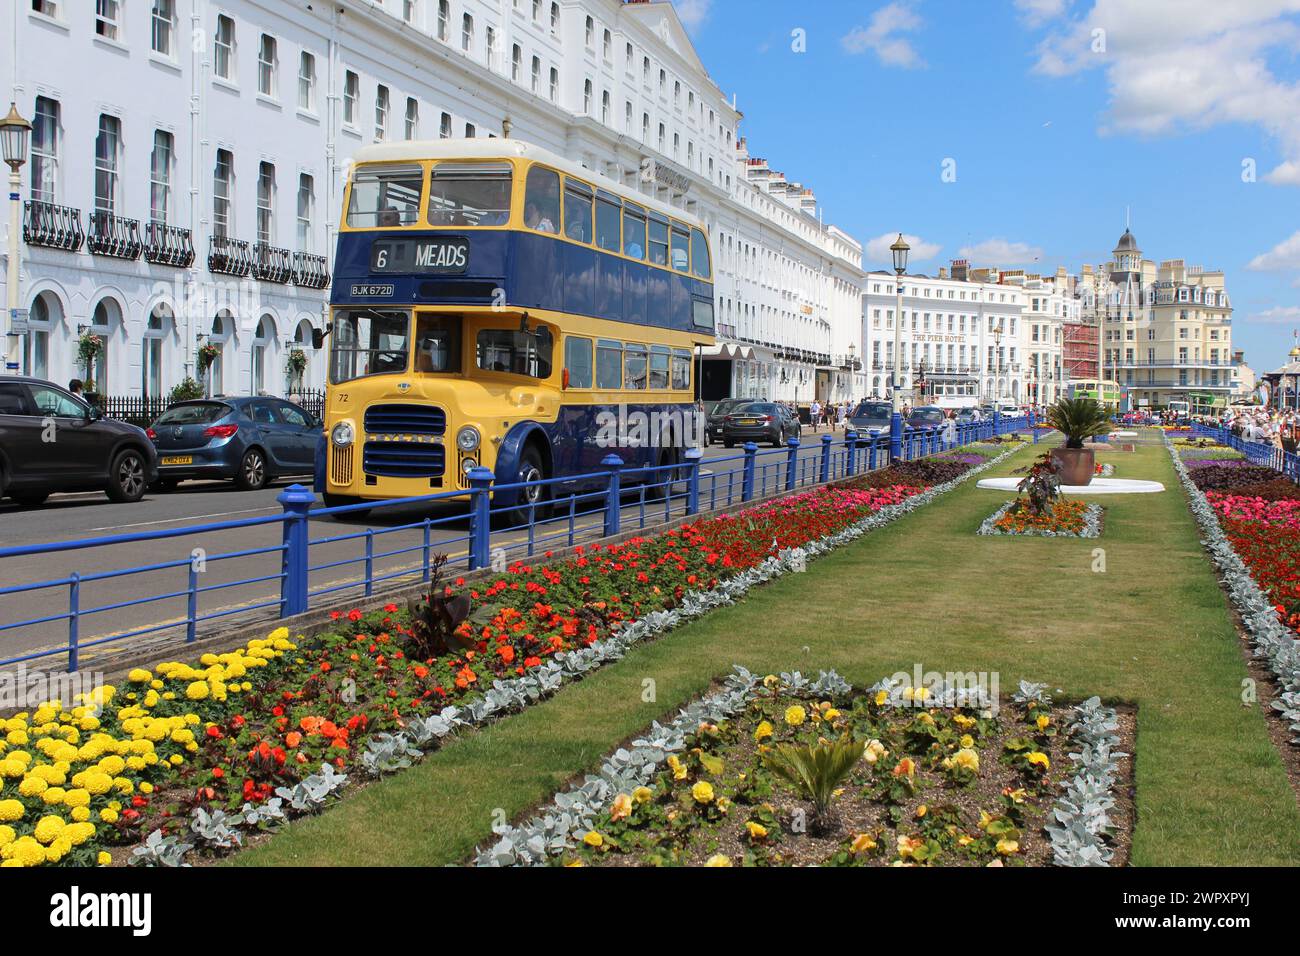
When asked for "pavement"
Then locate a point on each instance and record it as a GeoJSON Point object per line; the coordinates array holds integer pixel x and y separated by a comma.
{"type": "Point", "coordinates": [337, 554]}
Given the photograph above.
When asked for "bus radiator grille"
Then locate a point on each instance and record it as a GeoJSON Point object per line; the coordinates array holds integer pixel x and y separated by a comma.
{"type": "Point", "coordinates": [405, 420]}
{"type": "Point", "coordinates": [392, 459]}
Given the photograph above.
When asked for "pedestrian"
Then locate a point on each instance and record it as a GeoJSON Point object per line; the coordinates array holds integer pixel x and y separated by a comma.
{"type": "Point", "coordinates": [815, 414]}
{"type": "Point", "coordinates": [74, 386]}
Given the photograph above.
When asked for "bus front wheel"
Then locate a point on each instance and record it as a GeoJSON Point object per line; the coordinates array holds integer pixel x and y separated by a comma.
{"type": "Point", "coordinates": [534, 500]}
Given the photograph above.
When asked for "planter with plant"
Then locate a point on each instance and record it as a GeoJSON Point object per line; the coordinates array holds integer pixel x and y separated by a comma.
{"type": "Point", "coordinates": [295, 364]}
{"type": "Point", "coordinates": [1078, 419]}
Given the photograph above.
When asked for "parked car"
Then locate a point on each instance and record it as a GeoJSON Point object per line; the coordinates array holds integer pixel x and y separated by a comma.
{"type": "Point", "coordinates": [52, 440]}
{"type": "Point", "coordinates": [249, 440]}
{"type": "Point", "coordinates": [927, 416]}
{"type": "Point", "coordinates": [965, 415]}
{"type": "Point", "coordinates": [871, 416]}
{"type": "Point", "coordinates": [760, 421]}
{"type": "Point", "coordinates": [716, 414]}
{"type": "Point", "coordinates": [1012, 411]}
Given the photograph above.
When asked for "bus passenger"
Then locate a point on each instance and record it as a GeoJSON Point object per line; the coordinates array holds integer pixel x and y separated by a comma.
{"type": "Point", "coordinates": [534, 218]}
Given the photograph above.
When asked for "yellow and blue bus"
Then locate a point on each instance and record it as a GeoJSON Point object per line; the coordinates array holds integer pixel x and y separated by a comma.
{"type": "Point", "coordinates": [496, 305]}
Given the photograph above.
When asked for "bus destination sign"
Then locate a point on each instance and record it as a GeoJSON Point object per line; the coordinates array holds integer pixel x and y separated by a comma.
{"type": "Point", "coordinates": [437, 256]}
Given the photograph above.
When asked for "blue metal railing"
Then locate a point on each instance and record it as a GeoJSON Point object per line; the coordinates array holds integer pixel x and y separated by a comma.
{"type": "Point", "coordinates": [562, 520]}
{"type": "Point", "coordinates": [1257, 452]}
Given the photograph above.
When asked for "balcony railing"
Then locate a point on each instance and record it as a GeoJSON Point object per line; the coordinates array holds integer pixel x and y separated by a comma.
{"type": "Point", "coordinates": [55, 227]}
{"type": "Point", "coordinates": [229, 256]}
{"type": "Point", "coordinates": [114, 236]}
{"type": "Point", "coordinates": [271, 263]}
{"type": "Point", "coordinates": [166, 245]}
{"type": "Point", "coordinates": [310, 271]}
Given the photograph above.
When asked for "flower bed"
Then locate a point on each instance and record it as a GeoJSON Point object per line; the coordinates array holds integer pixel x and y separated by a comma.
{"type": "Point", "coordinates": [1240, 558]}
{"type": "Point", "coordinates": [245, 739]}
{"type": "Point", "coordinates": [1065, 519]}
{"type": "Point", "coordinates": [787, 771]}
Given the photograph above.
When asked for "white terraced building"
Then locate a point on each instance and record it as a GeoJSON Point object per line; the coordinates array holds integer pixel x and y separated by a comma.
{"type": "Point", "coordinates": [964, 335]}
{"type": "Point", "coordinates": [188, 158]}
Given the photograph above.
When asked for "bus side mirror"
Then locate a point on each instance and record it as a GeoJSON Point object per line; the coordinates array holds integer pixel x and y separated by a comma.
{"type": "Point", "coordinates": [318, 336]}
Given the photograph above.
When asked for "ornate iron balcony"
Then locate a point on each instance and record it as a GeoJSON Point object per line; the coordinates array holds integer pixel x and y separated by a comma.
{"type": "Point", "coordinates": [56, 227]}
{"type": "Point", "coordinates": [166, 245]}
{"type": "Point", "coordinates": [114, 236]}
{"type": "Point", "coordinates": [271, 263]}
{"type": "Point", "coordinates": [309, 271]}
{"type": "Point", "coordinates": [229, 256]}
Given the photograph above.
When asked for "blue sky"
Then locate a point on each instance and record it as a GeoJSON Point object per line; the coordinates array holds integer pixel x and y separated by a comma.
{"type": "Point", "coordinates": [1054, 129]}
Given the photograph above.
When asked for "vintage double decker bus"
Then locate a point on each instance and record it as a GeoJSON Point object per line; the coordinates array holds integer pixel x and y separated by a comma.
{"type": "Point", "coordinates": [494, 304]}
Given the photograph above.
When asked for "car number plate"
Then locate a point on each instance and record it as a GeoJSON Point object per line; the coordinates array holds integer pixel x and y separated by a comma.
{"type": "Point", "coordinates": [748, 421]}
{"type": "Point", "coordinates": [178, 460]}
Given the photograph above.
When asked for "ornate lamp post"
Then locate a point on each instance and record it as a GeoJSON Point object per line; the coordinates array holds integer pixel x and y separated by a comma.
{"type": "Point", "coordinates": [899, 250]}
{"type": "Point", "coordinates": [15, 138]}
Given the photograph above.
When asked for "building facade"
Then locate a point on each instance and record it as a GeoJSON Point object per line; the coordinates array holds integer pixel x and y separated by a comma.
{"type": "Point", "coordinates": [962, 334]}
{"type": "Point", "coordinates": [189, 156]}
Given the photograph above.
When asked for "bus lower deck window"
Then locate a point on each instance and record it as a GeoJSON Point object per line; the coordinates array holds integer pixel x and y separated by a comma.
{"type": "Point", "coordinates": [681, 370]}
{"type": "Point", "coordinates": [634, 361]}
{"type": "Point", "coordinates": [519, 353]}
{"type": "Point", "coordinates": [437, 343]}
{"type": "Point", "coordinates": [577, 360]}
{"type": "Point", "coordinates": [368, 342]}
{"type": "Point", "coordinates": [609, 364]}
{"type": "Point", "coordinates": [660, 360]}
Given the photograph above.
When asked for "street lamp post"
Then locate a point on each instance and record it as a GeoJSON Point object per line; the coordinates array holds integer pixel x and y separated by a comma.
{"type": "Point", "coordinates": [15, 136]}
{"type": "Point", "coordinates": [997, 376]}
{"type": "Point", "coordinates": [899, 250]}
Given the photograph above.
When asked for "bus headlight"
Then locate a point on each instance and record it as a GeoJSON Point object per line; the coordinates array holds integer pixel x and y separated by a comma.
{"type": "Point", "coordinates": [344, 434]}
{"type": "Point", "coordinates": [468, 465]}
{"type": "Point", "coordinates": [467, 439]}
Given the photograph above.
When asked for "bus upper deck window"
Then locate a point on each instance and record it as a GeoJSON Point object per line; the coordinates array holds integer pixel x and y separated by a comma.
{"type": "Point", "coordinates": [385, 196]}
{"type": "Point", "coordinates": [700, 264]}
{"type": "Point", "coordinates": [469, 194]}
{"type": "Point", "coordinates": [681, 251]}
{"type": "Point", "coordinates": [437, 343]}
{"type": "Point", "coordinates": [633, 234]}
{"type": "Point", "coordinates": [542, 200]}
{"type": "Point", "coordinates": [577, 216]}
{"type": "Point", "coordinates": [608, 236]}
{"type": "Point", "coordinates": [658, 243]}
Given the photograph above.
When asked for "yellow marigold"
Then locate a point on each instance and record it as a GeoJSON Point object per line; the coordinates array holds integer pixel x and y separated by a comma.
{"type": "Point", "coordinates": [12, 768]}
{"type": "Point", "coordinates": [795, 715]}
{"type": "Point", "coordinates": [48, 828]}
{"type": "Point", "coordinates": [146, 787]}
{"type": "Point", "coordinates": [198, 690]}
{"type": "Point", "coordinates": [139, 676]}
{"type": "Point", "coordinates": [719, 859]}
{"type": "Point", "coordinates": [108, 815]}
{"type": "Point", "coordinates": [54, 796]}
{"type": "Point", "coordinates": [32, 786]}
{"type": "Point", "coordinates": [77, 798]}
{"type": "Point", "coordinates": [702, 792]}
{"type": "Point", "coordinates": [104, 858]}
{"type": "Point", "coordinates": [80, 814]}
{"type": "Point", "coordinates": [11, 810]}
{"type": "Point", "coordinates": [7, 836]}
{"type": "Point", "coordinates": [763, 731]}
{"type": "Point", "coordinates": [16, 737]}
{"type": "Point", "coordinates": [25, 851]}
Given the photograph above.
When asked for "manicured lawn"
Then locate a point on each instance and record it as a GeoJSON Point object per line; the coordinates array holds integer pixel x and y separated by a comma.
{"type": "Point", "coordinates": [1154, 629]}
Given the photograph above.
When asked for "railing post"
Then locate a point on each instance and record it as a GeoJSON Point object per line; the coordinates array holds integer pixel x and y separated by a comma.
{"type": "Point", "coordinates": [895, 437]}
{"type": "Point", "coordinates": [997, 421]}
{"type": "Point", "coordinates": [851, 442]}
{"type": "Point", "coordinates": [693, 458]}
{"type": "Point", "coordinates": [480, 518]}
{"type": "Point", "coordinates": [1035, 431]}
{"type": "Point", "coordinates": [747, 483]}
{"type": "Point", "coordinates": [826, 458]}
{"type": "Point", "coordinates": [428, 527]}
{"type": "Point", "coordinates": [614, 494]}
{"type": "Point", "coordinates": [74, 620]}
{"type": "Point", "coordinates": [192, 604]}
{"type": "Point", "coordinates": [370, 561]}
{"type": "Point", "coordinates": [296, 502]}
{"type": "Point", "coordinates": [791, 463]}
{"type": "Point", "coordinates": [873, 449]}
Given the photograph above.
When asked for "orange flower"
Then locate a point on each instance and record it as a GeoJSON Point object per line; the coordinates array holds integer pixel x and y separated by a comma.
{"type": "Point", "coordinates": [310, 724]}
{"type": "Point", "coordinates": [293, 739]}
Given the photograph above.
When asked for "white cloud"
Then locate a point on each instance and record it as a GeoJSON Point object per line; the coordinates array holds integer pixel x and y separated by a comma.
{"type": "Point", "coordinates": [693, 12]}
{"type": "Point", "coordinates": [877, 250]}
{"type": "Point", "coordinates": [1285, 255]}
{"type": "Point", "coordinates": [1278, 315]}
{"type": "Point", "coordinates": [1000, 252]}
{"type": "Point", "coordinates": [881, 36]}
{"type": "Point", "coordinates": [1038, 12]}
{"type": "Point", "coordinates": [1176, 65]}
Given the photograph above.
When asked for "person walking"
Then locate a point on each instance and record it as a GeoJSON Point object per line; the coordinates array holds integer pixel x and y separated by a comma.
{"type": "Point", "coordinates": [815, 414]}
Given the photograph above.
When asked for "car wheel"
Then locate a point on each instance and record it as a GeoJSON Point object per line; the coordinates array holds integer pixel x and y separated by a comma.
{"type": "Point", "coordinates": [31, 499]}
{"type": "Point", "coordinates": [126, 479]}
{"type": "Point", "coordinates": [252, 471]}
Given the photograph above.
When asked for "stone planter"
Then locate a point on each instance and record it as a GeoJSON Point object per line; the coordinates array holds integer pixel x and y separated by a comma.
{"type": "Point", "coordinates": [1076, 465]}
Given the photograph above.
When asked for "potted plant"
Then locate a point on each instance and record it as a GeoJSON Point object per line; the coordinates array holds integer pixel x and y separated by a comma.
{"type": "Point", "coordinates": [295, 364]}
{"type": "Point", "coordinates": [1078, 419]}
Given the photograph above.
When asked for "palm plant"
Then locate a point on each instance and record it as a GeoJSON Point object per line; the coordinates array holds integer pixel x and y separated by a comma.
{"type": "Point", "coordinates": [1078, 419]}
{"type": "Point", "coordinates": [816, 770]}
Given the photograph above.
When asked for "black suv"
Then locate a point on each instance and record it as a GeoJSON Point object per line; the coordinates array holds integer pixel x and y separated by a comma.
{"type": "Point", "coordinates": [52, 440]}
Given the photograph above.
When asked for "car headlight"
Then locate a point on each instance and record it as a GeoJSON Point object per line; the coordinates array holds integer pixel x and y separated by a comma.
{"type": "Point", "coordinates": [344, 434]}
{"type": "Point", "coordinates": [467, 439]}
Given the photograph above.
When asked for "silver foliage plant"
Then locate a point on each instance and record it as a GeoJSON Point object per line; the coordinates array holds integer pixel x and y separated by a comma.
{"type": "Point", "coordinates": [1272, 640]}
{"type": "Point", "coordinates": [1091, 525]}
{"type": "Point", "coordinates": [1082, 826]}
{"type": "Point", "coordinates": [389, 753]}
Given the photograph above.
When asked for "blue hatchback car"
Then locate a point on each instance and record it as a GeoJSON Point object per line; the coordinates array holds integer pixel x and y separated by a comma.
{"type": "Point", "coordinates": [249, 440]}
